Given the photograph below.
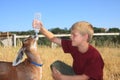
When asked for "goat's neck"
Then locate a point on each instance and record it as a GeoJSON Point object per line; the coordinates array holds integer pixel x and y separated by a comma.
{"type": "Point", "coordinates": [34, 56]}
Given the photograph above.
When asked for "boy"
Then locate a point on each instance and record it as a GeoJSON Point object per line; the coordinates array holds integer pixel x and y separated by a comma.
{"type": "Point", "coordinates": [87, 61]}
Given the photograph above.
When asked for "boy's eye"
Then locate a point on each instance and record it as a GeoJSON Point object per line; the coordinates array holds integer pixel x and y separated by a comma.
{"type": "Point", "coordinates": [74, 34]}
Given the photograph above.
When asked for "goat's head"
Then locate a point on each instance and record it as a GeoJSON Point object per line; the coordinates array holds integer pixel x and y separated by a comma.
{"type": "Point", "coordinates": [28, 44]}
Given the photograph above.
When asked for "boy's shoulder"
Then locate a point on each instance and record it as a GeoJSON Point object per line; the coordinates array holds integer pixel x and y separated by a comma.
{"type": "Point", "coordinates": [93, 50]}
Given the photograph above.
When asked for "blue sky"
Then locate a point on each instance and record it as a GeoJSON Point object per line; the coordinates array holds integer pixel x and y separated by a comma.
{"type": "Point", "coordinates": [17, 15]}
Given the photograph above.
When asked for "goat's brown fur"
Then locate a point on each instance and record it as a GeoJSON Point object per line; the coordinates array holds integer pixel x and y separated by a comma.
{"type": "Point", "coordinates": [25, 70]}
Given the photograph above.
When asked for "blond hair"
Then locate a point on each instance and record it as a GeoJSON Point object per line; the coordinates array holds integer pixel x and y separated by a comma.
{"type": "Point", "coordinates": [84, 28]}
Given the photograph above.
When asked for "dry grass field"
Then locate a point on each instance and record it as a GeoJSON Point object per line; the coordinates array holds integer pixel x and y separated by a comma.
{"type": "Point", "coordinates": [111, 58]}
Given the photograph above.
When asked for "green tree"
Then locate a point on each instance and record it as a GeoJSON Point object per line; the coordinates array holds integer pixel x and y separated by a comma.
{"type": "Point", "coordinates": [99, 30]}
{"type": "Point", "coordinates": [59, 31]}
{"type": "Point", "coordinates": [114, 30]}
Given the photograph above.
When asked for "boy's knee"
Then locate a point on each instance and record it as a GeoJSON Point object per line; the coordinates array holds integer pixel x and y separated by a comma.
{"type": "Point", "coordinates": [62, 67]}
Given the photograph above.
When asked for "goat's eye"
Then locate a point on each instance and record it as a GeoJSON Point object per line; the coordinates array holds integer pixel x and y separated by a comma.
{"type": "Point", "coordinates": [25, 40]}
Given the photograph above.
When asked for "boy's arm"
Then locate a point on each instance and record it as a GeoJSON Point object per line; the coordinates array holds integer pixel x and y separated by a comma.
{"type": "Point", "coordinates": [38, 25]}
{"type": "Point", "coordinates": [75, 77]}
{"type": "Point", "coordinates": [58, 76]}
{"type": "Point", "coordinates": [50, 36]}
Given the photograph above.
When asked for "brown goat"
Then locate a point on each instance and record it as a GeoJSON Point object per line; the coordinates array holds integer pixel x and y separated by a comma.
{"type": "Point", "coordinates": [29, 69]}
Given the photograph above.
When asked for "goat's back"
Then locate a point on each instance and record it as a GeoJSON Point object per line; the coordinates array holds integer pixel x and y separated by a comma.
{"type": "Point", "coordinates": [7, 72]}
{"type": "Point", "coordinates": [24, 71]}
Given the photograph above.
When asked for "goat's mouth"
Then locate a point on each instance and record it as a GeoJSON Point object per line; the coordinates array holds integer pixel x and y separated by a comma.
{"type": "Point", "coordinates": [35, 37]}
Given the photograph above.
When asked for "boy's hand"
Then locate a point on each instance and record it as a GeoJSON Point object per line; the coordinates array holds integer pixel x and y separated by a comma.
{"type": "Point", "coordinates": [56, 74]}
{"type": "Point", "coordinates": [37, 24]}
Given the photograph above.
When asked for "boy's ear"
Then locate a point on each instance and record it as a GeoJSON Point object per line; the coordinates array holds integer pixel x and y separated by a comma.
{"type": "Point", "coordinates": [86, 37]}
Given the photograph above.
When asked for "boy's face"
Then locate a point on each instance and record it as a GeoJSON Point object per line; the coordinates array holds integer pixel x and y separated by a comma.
{"type": "Point", "coordinates": [77, 38]}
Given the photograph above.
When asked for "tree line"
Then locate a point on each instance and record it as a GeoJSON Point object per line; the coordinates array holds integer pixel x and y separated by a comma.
{"type": "Point", "coordinates": [97, 40]}
{"type": "Point", "coordinates": [67, 31]}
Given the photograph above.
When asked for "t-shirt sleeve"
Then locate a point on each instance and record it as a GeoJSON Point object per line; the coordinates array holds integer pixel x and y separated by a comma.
{"type": "Point", "coordinates": [66, 44]}
{"type": "Point", "coordinates": [94, 69]}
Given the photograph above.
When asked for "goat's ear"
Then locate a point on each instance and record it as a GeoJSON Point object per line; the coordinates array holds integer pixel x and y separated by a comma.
{"type": "Point", "coordinates": [19, 57]}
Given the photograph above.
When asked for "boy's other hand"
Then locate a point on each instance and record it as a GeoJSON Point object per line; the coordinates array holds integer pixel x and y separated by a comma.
{"type": "Point", "coordinates": [56, 74]}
